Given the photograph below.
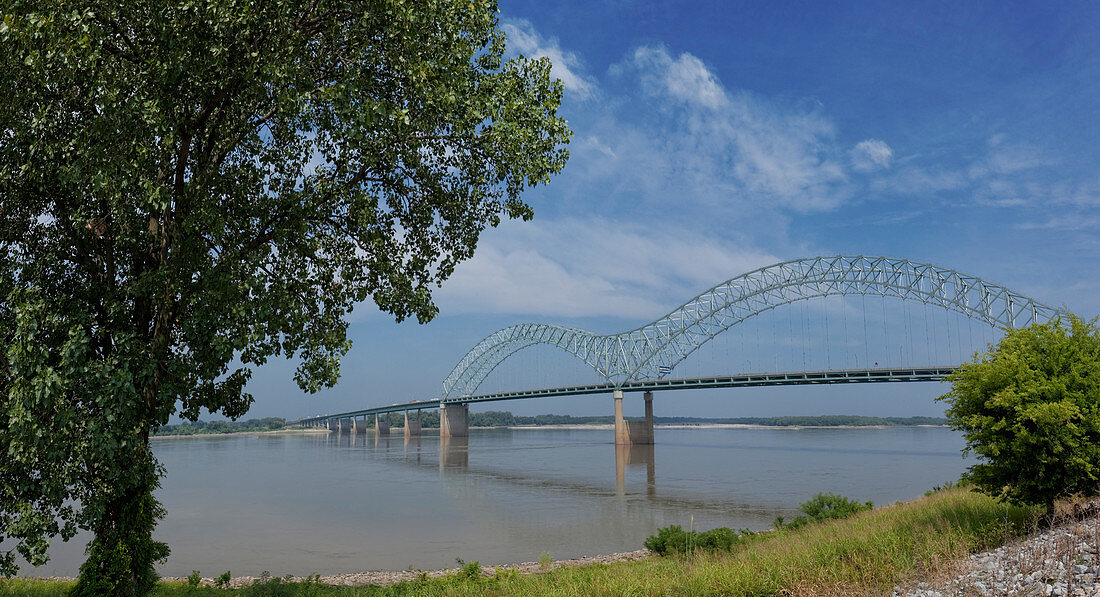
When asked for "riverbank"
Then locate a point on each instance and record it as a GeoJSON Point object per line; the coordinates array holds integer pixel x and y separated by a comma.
{"type": "Point", "coordinates": [928, 540]}
{"type": "Point", "coordinates": [303, 431]}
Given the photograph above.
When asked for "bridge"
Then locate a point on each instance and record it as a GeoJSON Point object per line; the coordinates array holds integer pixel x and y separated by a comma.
{"type": "Point", "coordinates": [641, 360]}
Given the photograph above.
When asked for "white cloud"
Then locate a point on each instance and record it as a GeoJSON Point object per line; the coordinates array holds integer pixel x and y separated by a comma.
{"type": "Point", "coordinates": [685, 78]}
{"type": "Point", "coordinates": [731, 147]}
{"type": "Point", "coordinates": [871, 154]}
{"type": "Point", "coordinates": [585, 268]}
{"type": "Point", "coordinates": [567, 66]}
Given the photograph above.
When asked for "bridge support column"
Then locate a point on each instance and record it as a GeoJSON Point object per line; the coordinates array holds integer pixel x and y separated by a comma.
{"type": "Point", "coordinates": [633, 432]}
{"type": "Point", "coordinates": [453, 420]}
{"type": "Point", "coordinates": [358, 427]}
{"type": "Point", "coordinates": [382, 426]}
{"type": "Point", "coordinates": [412, 426]}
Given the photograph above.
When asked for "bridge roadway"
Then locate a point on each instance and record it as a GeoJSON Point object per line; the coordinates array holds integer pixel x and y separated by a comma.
{"type": "Point", "coordinates": [878, 375]}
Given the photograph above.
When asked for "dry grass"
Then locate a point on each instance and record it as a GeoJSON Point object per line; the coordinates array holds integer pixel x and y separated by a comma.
{"type": "Point", "coordinates": [1070, 536]}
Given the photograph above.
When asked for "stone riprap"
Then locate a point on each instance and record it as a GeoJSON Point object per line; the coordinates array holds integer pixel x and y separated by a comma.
{"type": "Point", "coordinates": [1061, 561]}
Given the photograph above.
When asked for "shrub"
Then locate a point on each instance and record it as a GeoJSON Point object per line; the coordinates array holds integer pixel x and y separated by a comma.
{"type": "Point", "coordinates": [470, 571]}
{"type": "Point", "coordinates": [674, 539]}
{"type": "Point", "coordinates": [1030, 409]}
{"type": "Point", "coordinates": [824, 506]}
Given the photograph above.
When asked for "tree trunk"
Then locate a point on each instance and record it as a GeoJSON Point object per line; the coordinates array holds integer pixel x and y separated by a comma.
{"type": "Point", "coordinates": [122, 554]}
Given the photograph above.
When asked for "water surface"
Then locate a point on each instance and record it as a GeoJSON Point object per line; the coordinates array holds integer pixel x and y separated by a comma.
{"type": "Point", "coordinates": [303, 504]}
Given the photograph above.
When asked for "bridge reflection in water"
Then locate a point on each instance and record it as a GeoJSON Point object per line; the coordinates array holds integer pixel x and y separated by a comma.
{"type": "Point", "coordinates": [627, 455]}
{"type": "Point", "coordinates": [452, 455]}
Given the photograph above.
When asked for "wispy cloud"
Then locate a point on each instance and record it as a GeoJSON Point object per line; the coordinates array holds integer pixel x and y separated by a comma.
{"type": "Point", "coordinates": [729, 145]}
{"type": "Point", "coordinates": [567, 66]}
{"type": "Point", "coordinates": [586, 268]}
{"type": "Point", "coordinates": [871, 154]}
{"type": "Point", "coordinates": [684, 78]}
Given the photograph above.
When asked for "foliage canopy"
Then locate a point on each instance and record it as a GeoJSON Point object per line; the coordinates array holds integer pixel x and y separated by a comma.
{"type": "Point", "coordinates": [190, 188]}
{"type": "Point", "coordinates": [1030, 409]}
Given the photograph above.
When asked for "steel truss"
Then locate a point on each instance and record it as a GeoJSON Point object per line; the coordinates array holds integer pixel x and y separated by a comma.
{"type": "Point", "coordinates": [653, 350]}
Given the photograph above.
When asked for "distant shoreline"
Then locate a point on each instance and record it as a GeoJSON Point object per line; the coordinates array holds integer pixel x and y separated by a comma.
{"type": "Point", "coordinates": [309, 431]}
{"type": "Point", "coordinates": [718, 426]}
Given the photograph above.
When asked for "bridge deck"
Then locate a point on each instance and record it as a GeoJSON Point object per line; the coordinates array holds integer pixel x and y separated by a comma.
{"type": "Point", "coordinates": [687, 383]}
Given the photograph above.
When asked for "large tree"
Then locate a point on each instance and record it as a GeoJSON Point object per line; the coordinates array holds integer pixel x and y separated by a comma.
{"type": "Point", "coordinates": [190, 188]}
{"type": "Point", "coordinates": [1029, 408]}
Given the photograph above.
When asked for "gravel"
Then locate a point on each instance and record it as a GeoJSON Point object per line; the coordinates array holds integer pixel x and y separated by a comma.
{"type": "Point", "coordinates": [382, 578]}
{"type": "Point", "coordinates": [1061, 561]}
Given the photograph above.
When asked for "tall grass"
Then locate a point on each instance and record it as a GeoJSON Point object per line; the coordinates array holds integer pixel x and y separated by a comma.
{"type": "Point", "coordinates": [866, 554]}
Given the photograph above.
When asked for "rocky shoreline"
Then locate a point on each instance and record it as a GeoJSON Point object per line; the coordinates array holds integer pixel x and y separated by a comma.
{"type": "Point", "coordinates": [1060, 561]}
{"type": "Point", "coordinates": [386, 578]}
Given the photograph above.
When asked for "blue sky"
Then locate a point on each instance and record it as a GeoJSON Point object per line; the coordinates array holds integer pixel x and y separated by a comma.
{"type": "Point", "coordinates": [715, 137]}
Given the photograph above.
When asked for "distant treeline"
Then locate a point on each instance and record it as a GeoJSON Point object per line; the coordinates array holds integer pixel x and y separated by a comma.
{"type": "Point", "coordinates": [809, 421]}
{"type": "Point", "coordinates": [496, 418]}
{"type": "Point", "coordinates": [209, 427]}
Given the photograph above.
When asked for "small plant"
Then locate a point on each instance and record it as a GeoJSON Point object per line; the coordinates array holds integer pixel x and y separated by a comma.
{"type": "Point", "coordinates": [194, 579]}
{"type": "Point", "coordinates": [470, 571]}
{"type": "Point", "coordinates": [268, 586]}
{"type": "Point", "coordinates": [545, 559]}
{"type": "Point", "coordinates": [939, 488]}
{"type": "Point", "coordinates": [223, 580]}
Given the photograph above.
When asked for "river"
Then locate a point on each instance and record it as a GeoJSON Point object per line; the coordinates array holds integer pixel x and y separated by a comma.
{"type": "Point", "coordinates": [303, 504]}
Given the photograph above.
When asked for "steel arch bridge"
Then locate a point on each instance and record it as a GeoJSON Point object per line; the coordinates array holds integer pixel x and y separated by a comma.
{"type": "Point", "coordinates": [653, 350]}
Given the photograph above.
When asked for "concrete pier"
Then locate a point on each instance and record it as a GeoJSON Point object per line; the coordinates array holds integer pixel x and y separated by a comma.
{"type": "Point", "coordinates": [633, 432]}
{"type": "Point", "coordinates": [359, 427]}
{"type": "Point", "coordinates": [382, 424]}
{"type": "Point", "coordinates": [453, 420]}
{"type": "Point", "coordinates": [412, 426]}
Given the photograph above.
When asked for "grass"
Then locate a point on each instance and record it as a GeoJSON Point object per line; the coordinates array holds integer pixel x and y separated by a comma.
{"type": "Point", "coordinates": [867, 554]}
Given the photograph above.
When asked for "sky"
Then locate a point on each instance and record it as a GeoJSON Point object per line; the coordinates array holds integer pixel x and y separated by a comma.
{"type": "Point", "coordinates": [712, 138]}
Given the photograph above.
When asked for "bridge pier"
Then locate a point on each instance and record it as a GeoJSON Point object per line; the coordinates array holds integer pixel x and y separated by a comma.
{"type": "Point", "coordinates": [359, 428]}
{"type": "Point", "coordinates": [412, 426]}
{"type": "Point", "coordinates": [382, 425]}
{"type": "Point", "coordinates": [633, 432]}
{"type": "Point", "coordinates": [453, 420]}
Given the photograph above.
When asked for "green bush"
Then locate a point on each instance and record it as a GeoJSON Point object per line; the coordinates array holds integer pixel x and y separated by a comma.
{"type": "Point", "coordinates": [1029, 408]}
{"type": "Point", "coordinates": [674, 539]}
{"type": "Point", "coordinates": [824, 506]}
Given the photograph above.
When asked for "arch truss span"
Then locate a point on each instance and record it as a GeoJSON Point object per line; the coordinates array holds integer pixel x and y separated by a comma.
{"type": "Point", "coordinates": [652, 350]}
